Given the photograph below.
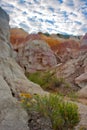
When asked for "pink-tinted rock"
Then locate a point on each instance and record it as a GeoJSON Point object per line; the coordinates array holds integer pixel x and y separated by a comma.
{"type": "Point", "coordinates": [32, 37]}
{"type": "Point", "coordinates": [17, 36]}
{"type": "Point", "coordinates": [72, 69]}
{"type": "Point", "coordinates": [64, 48]}
{"type": "Point", "coordinates": [68, 49]}
{"type": "Point", "coordinates": [83, 41]}
{"type": "Point", "coordinates": [36, 55]}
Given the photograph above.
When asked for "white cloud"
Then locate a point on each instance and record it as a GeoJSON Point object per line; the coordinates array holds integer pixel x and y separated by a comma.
{"type": "Point", "coordinates": [48, 16]}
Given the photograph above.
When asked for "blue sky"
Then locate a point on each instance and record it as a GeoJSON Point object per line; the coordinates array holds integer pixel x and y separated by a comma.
{"type": "Point", "coordinates": [52, 16]}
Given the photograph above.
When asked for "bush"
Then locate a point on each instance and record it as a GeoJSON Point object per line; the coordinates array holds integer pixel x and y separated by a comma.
{"type": "Point", "coordinates": [47, 80]}
{"type": "Point", "coordinates": [63, 115]}
{"type": "Point", "coordinates": [36, 78]}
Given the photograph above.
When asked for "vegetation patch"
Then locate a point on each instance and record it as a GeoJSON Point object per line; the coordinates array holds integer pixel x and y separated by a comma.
{"type": "Point", "coordinates": [63, 115]}
{"type": "Point", "coordinates": [48, 81]}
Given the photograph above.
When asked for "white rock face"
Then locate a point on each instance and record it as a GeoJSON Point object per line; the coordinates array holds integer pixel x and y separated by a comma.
{"type": "Point", "coordinates": [5, 46]}
{"type": "Point", "coordinates": [12, 82]}
{"type": "Point", "coordinates": [12, 116]}
{"type": "Point", "coordinates": [36, 55]}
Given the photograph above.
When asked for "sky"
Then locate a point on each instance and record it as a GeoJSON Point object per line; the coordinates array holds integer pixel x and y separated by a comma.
{"type": "Point", "coordinates": [51, 16]}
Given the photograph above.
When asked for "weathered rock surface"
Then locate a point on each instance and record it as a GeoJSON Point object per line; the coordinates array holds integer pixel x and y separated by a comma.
{"type": "Point", "coordinates": [32, 52]}
{"type": "Point", "coordinates": [12, 83]}
{"type": "Point", "coordinates": [15, 78]}
{"type": "Point", "coordinates": [35, 55]}
{"type": "Point", "coordinates": [72, 69]}
{"type": "Point", "coordinates": [83, 42]}
{"type": "Point", "coordinates": [5, 46]}
{"type": "Point", "coordinates": [38, 122]}
{"type": "Point", "coordinates": [17, 36]}
{"type": "Point", "coordinates": [83, 92]}
{"type": "Point", "coordinates": [66, 49]}
{"type": "Point", "coordinates": [12, 116]}
{"type": "Point", "coordinates": [81, 80]}
{"type": "Point", "coordinates": [83, 117]}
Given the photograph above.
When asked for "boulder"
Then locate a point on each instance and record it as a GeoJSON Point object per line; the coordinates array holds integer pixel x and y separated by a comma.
{"type": "Point", "coordinates": [36, 55]}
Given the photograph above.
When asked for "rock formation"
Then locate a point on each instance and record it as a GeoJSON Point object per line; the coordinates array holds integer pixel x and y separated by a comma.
{"type": "Point", "coordinates": [75, 73]}
{"type": "Point", "coordinates": [83, 41]}
{"type": "Point", "coordinates": [81, 80]}
{"type": "Point", "coordinates": [12, 83]}
{"type": "Point", "coordinates": [35, 55]}
{"type": "Point", "coordinates": [65, 49]}
{"type": "Point", "coordinates": [32, 52]}
{"type": "Point", "coordinates": [17, 36]}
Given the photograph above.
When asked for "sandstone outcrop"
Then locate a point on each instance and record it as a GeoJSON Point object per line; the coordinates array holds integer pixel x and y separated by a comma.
{"type": "Point", "coordinates": [12, 83]}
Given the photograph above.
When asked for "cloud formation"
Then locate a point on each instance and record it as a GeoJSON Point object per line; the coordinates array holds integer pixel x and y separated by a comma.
{"type": "Point", "coordinates": [54, 16]}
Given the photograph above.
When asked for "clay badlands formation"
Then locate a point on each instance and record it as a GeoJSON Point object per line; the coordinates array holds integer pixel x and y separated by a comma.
{"type": "Point", "coordinates": [36, 52]}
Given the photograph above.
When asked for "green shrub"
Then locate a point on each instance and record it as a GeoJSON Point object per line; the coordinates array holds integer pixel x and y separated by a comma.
{"type": "Point", "coordinates": [63, 115]}
{"type": "Point", "coordinates": [36, 78]}
{"type": "Point", "coordinates": [48, 80]}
